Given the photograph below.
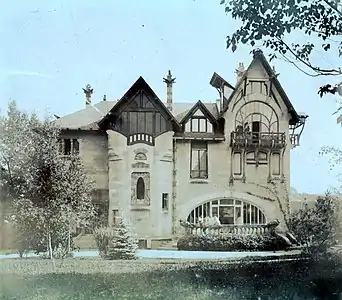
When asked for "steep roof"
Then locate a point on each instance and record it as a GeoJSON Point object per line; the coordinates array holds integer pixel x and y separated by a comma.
{"type": "Point", "coordinates": [140, 84]}
{"type": "Point", "coordinates": [199, 105]}
{"type": "Point", "coordinates": [259, 56]}
{"type": "Point", "coordinates": [88, 118]}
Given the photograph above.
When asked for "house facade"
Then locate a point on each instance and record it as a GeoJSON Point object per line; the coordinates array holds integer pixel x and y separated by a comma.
{"type": "Point", "coordinates": [155, 163]}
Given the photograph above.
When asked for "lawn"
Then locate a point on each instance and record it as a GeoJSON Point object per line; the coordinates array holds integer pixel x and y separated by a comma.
{"type": "Point", "coordinates": [32, 279]}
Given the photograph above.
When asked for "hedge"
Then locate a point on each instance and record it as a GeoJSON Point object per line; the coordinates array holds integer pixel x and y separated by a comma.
{"type": "Point", "coordinates": [232, 242]}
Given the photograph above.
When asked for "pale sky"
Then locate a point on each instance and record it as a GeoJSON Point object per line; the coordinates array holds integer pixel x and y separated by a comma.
{"type": "Point", "coordinates": [51, 49]}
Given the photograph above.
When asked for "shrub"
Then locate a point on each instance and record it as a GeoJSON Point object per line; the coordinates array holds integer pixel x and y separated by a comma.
{"type": "Point", "coordinates": [231, 242]}
{"type": "Point", "coordinates": [317, 227]}
{"type": "Point", "coordinates": [102, 237]}
{"type": "Point", "coordinates": [118, 242]}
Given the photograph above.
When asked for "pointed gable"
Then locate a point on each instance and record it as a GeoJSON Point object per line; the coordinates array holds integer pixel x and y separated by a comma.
{"type": "Point", "coordinates": [199, 120]}
{"type": "Point", "coordinates": [140, 111]}
{"type": "Point", "coordinates": [199, 109]}
{"type": "Point", "coordinates": [260, 58]}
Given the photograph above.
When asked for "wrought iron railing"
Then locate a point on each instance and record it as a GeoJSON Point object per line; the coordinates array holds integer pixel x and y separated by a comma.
{"type": "Point", "coordinates": [258, 139]}
{"type": "Point", "coordinates": [294, 138]}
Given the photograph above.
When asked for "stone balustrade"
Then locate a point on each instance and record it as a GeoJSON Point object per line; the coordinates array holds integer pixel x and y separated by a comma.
{"type": "Point", "coordinates": [201, 229]}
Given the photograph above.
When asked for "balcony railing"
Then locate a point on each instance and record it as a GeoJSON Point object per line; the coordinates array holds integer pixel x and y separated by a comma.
{"type": "Point", "coordinates": [294, 138]}
{"type": "Point", "coordinates": [258, 139]}
{"type": "Point", "coordinates": [200, 229]}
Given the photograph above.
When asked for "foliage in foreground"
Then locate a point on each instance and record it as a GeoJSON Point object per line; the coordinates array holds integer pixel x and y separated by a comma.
{"type": "Point", "coordinates": [317, 227]}
{"type": "Point", "coordinates": [49, 194]}
{"type": "Point", "coordinates": [232, 242]}
{"type": "Point", "coordinates": [269, 23]}
{"type": "Point", "coordinates": [106, 280]}
{"type": "Point", "coordinates": [118, 242]}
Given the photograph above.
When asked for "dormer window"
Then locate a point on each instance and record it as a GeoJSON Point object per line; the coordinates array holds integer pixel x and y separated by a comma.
{"type": "Point", "coordinates": [69, 146]}
{"type": "Point", "coordinates": [198, 124]}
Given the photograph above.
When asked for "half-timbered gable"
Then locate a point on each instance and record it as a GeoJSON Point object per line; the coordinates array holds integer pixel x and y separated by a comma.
{"type": "Point", "coordinates": [140, 112]}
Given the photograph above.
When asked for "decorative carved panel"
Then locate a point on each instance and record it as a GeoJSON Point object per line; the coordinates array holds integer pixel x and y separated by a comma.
{"type": "Point", "coordinates": [140, 156]}
{"type": "Point", "coordinates": [140, 176]}
{"type": "Point", "coordinates": [140, 164]}
{"type": "Point", "coordinates": [140, 150]}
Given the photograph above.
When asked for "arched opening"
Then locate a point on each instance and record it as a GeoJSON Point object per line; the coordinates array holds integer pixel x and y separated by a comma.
{"type": "Point", "coordinates": [140, 189]}
{"type": "Point", "coordinates": [229, 212]}
{"type": "Point", "coordinates": [256, 117]}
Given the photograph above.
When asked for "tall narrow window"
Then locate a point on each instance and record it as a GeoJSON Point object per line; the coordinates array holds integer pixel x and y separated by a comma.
{"type": "Point", "coordinates": [194, 125]}
{"type": "Point", "coordinates": [67, 147]}
{"type": "Point", "coordinates": [75, 147]}
{"type": "Point", "coordinates": [115, 216]}
{"type": "Point", "coordinates": [255, 130]}
{"type": "Point", "coordinates": [60, 146]}
{"type": "Point", "coordinates": [165, 201]}
{"type": "Point", "coordinates": [140, 189]}
{"type": "Point", "coordinates": [202, 125]}
{"type": "Point", "coordinates": [199, 160]}
{"type": "Point", "coordinates": [256, 126]}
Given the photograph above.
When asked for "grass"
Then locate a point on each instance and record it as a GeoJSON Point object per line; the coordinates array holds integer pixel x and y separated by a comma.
{"type": "Point", "coordinates": [33, 279]}
{"type": "Point", "coordinates": [7, 251]}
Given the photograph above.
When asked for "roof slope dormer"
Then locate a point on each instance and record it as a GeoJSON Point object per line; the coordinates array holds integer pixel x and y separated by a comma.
{"type": "Point", "coordinates": [200, 123]}
{"type": "Point", "coordinates": [199, 110]}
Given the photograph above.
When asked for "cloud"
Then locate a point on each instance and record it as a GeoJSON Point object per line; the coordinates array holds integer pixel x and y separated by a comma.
{"type": "Point", "coordinates": [28, 73]}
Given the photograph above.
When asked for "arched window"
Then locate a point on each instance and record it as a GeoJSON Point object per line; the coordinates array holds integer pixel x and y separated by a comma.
{"type": "Point", "coordinates": [140, 189]}
{"type": "Point", "coordinates": [257, 116]}
{"type": "Point", "coordinates": [229, 212]}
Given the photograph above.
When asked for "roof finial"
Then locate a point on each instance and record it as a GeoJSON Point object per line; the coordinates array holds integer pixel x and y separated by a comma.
{"type": "Point", "coordinates": [88, 91]}
{"type": "Point", "coordinates": [239, 71]}
{"type": "Point", "coordinates": [256, 52]}
{"type": "Point", "coordinates": [169, 82]}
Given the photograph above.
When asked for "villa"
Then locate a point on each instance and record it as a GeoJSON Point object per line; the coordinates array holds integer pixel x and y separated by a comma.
{"type": "Point", "coordinates": [157, 162]}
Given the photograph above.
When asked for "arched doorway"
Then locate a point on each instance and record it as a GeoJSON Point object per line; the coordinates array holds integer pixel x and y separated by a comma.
{"type": "Point", "coordinates": [229, 212]}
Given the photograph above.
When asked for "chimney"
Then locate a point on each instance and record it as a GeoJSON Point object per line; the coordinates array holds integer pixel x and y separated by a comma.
{"type": "Point", "coordinates": [239, 71]}
{"type": "Point", "coordinates": [169, 82]}
{"type": "Point", "coordinates": [88, 91]}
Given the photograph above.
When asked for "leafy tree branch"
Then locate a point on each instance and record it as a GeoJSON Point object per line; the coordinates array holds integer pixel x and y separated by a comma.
{"type": "Point", "coordinates": [272, 21]}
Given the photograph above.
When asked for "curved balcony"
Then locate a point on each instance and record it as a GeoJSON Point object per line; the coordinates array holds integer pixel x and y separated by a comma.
{"type": "Point", "coordinates": [273, 140]}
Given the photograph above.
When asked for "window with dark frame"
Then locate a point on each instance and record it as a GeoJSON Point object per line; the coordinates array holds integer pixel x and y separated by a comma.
{"type": "Point", "coordinates": [199, 160]}
{"type": "Point", "coordinates": [115, 216]}
{"type": "Point", "coordinates": [199, 124]}
{"type": "Point", "coordinates": [75, 147]}
{"type": "Point", "coordinates": [255, 129]}
{"type": "Point", "coordinates": [140, 189]}
{"type": "Point", "coordinates": [165, 201]}
{"type": "Point", "coordinates": [68, 146]}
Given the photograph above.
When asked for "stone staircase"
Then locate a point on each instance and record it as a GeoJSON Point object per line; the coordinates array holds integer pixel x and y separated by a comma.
{"type": "Point", "coordinates": [85, 241]}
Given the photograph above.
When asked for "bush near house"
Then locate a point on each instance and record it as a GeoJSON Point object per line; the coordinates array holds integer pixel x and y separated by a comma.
{"type": "Point", "coordinates": [232, 242]}
{"type": "Point", "coordinates": [118, 242]}
{"type": "Point", "coordinates": [317, 227]}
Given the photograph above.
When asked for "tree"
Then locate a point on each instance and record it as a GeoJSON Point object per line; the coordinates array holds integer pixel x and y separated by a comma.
{"type": "Point", "coordinates": [269, 24]}
{"type": "Point", "coordinates": [50, 193]}
{"type": "Point", "coordinates": [118, 242]}
{"type": "Point", "coordinates": [124, 244]}
{"type": "Point", "coordinates": [317, 227]}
